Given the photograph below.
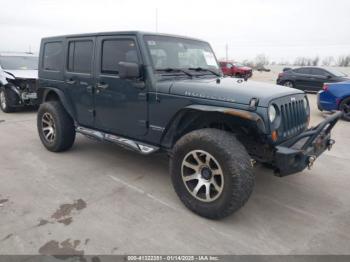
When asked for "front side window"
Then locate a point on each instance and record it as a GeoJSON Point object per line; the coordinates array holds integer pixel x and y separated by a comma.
{"type": "Point", "coordinates": [19, 62]}
{"type": "Point", "coordinates": [178, 53]}
{"type": "Point", "coordinates": [115, 51]}
{"type": "Point", "coordinates": [80, 56]}
{"type": "Point", "coordinates": [318, 72]}
{"type": "Point", "coordinates": [52, 59]}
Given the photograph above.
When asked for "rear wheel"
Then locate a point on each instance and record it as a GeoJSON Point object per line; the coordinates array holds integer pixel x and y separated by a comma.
{"type": "Point", "coordinates": [211, 173]}
{"type": "Point", "coordinates": [5, 101]}
{"type": "Point", "coordinates": [345, 108]}
{"type": "Point", "coordinates": [288, 84]}
{"type": "Point", "coordinates": [56, 128]}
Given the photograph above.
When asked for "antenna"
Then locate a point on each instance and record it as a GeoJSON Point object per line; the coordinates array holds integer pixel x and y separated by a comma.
{"type": "Point", "coordinates": [226, 47]}
{"type": "Point", "coordinates": [156, 20]}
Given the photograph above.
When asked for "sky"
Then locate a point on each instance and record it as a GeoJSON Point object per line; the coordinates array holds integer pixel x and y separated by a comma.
{"type": "Point", "coordinates": [280, 29]}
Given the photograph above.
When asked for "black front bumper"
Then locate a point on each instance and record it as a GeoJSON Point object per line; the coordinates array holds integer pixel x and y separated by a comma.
{"type": "Point", "coordinates": [299, 152]}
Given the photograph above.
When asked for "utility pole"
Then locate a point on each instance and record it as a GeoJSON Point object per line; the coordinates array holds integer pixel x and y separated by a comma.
{"type": "Point", "coordinates": [156, 20]}
{"type": "Point", "coordinates": [226, 47]}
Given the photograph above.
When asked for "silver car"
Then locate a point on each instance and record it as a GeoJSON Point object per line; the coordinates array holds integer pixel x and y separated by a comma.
{"type": "Point", "coordinates": [18, 81]}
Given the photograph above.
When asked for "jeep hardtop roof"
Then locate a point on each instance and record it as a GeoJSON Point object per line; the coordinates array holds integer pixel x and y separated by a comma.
{"type": "Point", "coordinates": [139, 33]}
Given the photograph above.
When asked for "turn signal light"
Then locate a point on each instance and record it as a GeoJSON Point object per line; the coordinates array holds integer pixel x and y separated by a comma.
{"type": "Point", "coordinates": [274, 136]}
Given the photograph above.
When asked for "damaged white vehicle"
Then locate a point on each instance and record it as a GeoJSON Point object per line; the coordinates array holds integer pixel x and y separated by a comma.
{"type": "Point", "coordinates": [18, 81]}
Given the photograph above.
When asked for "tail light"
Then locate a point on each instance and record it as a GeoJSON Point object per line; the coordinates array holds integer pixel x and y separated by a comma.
{"type": "Point", "coordinates": [280, 75]}
{"type": "Point", "coordinates": [325, 87]}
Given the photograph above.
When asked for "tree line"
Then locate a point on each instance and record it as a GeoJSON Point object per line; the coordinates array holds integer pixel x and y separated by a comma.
{"type": "Point", "coordinates": [262, 60]}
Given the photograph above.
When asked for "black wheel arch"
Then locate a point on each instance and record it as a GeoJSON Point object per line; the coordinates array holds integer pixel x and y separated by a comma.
{"type": "Point", "coordinates": [54, 94]}
{"type": "Point", "coordinates": [196, 117]}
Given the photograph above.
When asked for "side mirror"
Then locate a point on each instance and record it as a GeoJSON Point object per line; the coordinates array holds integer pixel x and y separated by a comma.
{"type": "Point", "coordinates": [129, 70]}
{"type": "Point", "coordinates": [329, 76]}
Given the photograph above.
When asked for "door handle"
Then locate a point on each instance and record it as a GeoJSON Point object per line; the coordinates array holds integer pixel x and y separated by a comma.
{"type": "Point", "coordinates": [102, 85]}
{"type": "Point", "coordinates": [71, 81]}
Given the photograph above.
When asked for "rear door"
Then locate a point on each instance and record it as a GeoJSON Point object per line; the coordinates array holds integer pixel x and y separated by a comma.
{"type": "Point", "coordinates": [318, 78]}
{"type": "Point", "coordinates": [79, 78]}
{"type": "Point", "coordinates": [301, 78]}
{"type": "Point", "coordinates": [120, 104]}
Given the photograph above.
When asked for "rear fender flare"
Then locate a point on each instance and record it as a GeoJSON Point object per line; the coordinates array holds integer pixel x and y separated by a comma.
{"type": "Point", "coordinates": [44, 93]}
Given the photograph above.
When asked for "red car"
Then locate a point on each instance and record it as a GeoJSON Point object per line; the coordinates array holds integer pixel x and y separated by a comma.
{"type": "Point", "coordinates": [235, 69]}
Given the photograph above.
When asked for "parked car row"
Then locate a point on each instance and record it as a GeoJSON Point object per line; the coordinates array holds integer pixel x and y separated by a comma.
{"type": "Point", "coordinates": [333, 86]}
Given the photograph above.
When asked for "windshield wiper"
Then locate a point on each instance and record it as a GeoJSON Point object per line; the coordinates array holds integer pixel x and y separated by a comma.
{"type": "Point", "coordinates": [170, 70]}
{"type": "Point", "coordinates": [204, 69]}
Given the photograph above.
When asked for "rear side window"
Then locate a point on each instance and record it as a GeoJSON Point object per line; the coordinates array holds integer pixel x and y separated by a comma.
{"type": "Point", "coordinates": [305, 71]}
{"type": "Point", "coordinates": [52, 56]}
{"type": "Point", "coordinates": [115, 51]}
{"type": "Point", "coordinates": [80, 56]}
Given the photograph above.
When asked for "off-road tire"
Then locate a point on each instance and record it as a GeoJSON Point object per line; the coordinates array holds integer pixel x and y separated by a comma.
{"type": "Point", "coordinates": [8, 108]}
{"type": "Point", "coordinates": [239, 178]}
{"type": "Point", "coordinates": [64, 127]}
{"type": "Point", "coordinates": [344, 107]}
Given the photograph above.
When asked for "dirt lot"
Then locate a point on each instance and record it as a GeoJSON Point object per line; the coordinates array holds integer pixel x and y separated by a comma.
{"type": "Point", "coordinates": [101, 199]}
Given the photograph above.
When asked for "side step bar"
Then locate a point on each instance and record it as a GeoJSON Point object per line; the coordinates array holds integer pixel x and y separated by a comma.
{"type": "Point", "coordinates": [124, 142]}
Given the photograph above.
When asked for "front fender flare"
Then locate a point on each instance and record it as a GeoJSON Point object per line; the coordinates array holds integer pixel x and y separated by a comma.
{"type": "Point", "coordinates": [247, 115]}
{"type": "Point", "coordinates": [167, 139]}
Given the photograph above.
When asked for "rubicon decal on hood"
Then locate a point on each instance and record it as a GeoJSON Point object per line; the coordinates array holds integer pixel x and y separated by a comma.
{"type": "Point", "coordinates": [200, 95]}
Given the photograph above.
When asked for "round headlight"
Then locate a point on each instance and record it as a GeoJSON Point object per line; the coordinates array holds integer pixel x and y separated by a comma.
{"type": "Point", "coordinates": [306, 103]}
{"type": "Point", "coordinates": [272, 113]}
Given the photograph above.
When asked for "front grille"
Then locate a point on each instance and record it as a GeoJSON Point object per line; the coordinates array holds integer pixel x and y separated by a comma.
{"type": "Point", "coordinates": [27, 85]}
{"type": "Point", "coordinates": [293, 116]}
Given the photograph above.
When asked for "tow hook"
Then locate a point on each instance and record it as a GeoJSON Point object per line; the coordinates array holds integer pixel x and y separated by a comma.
{"type": "Point", "coordinates": [311, 161]}
{"type": "Point", "coordinates": [331, 142]}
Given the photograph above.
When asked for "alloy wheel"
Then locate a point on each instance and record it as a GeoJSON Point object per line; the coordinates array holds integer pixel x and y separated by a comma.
{"type": "Point", "coordinates": [202, 175]}
{"type": "Point", "coordinates": [48, 127]}
{"type": "Point", "coordinates": [3, 99]}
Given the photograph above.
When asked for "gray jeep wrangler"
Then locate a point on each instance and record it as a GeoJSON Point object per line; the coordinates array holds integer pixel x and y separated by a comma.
{"type": "Point", "coordinates": [153, 92]}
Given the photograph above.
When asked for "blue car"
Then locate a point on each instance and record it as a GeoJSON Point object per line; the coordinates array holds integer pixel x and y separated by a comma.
{"type": "Point", "coordinates": [335, 96]}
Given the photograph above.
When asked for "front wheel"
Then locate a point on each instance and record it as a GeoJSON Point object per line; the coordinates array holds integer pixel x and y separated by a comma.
{"type": "Point", "coordinates": [5, 101]}
{"type": "Point", "coordinates": [288, 84]}
{"type": "Point", "coordinates": [212, 173]}
{"type": "Point", "coordinates": [56, 128]}
{"type": "Point", "coordinates": [345, 108]}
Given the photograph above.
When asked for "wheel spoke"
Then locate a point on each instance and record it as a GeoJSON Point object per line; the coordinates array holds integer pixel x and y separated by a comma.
{"type": "Point", "coordinates": [198, 187]}
{"type": "Point", "coordinates": [191, 166]}
{"type": "Point", "coordinates": [191, 177]}
{"type": "Point", "coordinates": [207, 191]}
{"type": "Point", "coordinates": [217, 172]}
{"type": "Point", "coordinates": [216, 186]}
{"type": "Point", "coordinates": [195, 156]}
{"type": "Point", "coordinates": [207, 160]}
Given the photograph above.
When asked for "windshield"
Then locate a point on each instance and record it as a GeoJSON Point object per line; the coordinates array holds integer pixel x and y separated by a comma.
{"type": "Point", "coordinates": [178, 53]}
{"type": "Point", "coordinates": [336, 72]}
{"type": "Point", "coordinates": [19, 62]}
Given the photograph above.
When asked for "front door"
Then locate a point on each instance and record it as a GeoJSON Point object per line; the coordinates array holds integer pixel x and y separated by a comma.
{"type": "Point", "coordinates": [120, 104]}
{"type": "Point", "coordinates": [79, 79]}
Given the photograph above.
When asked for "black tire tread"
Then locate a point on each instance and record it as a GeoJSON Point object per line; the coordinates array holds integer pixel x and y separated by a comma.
{"type": "Point", "coordinates": [65, 135]}
{"type": "Point", "coordinates": [239, 166]}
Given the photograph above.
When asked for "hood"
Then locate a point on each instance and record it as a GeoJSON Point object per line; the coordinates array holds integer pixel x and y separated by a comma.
{"type": "Point", "coordinates": [25, 74]}
{"type": "Point", "coordinates": [244, 68]}
{"type": "Point", "coordinates": [227, 90]}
